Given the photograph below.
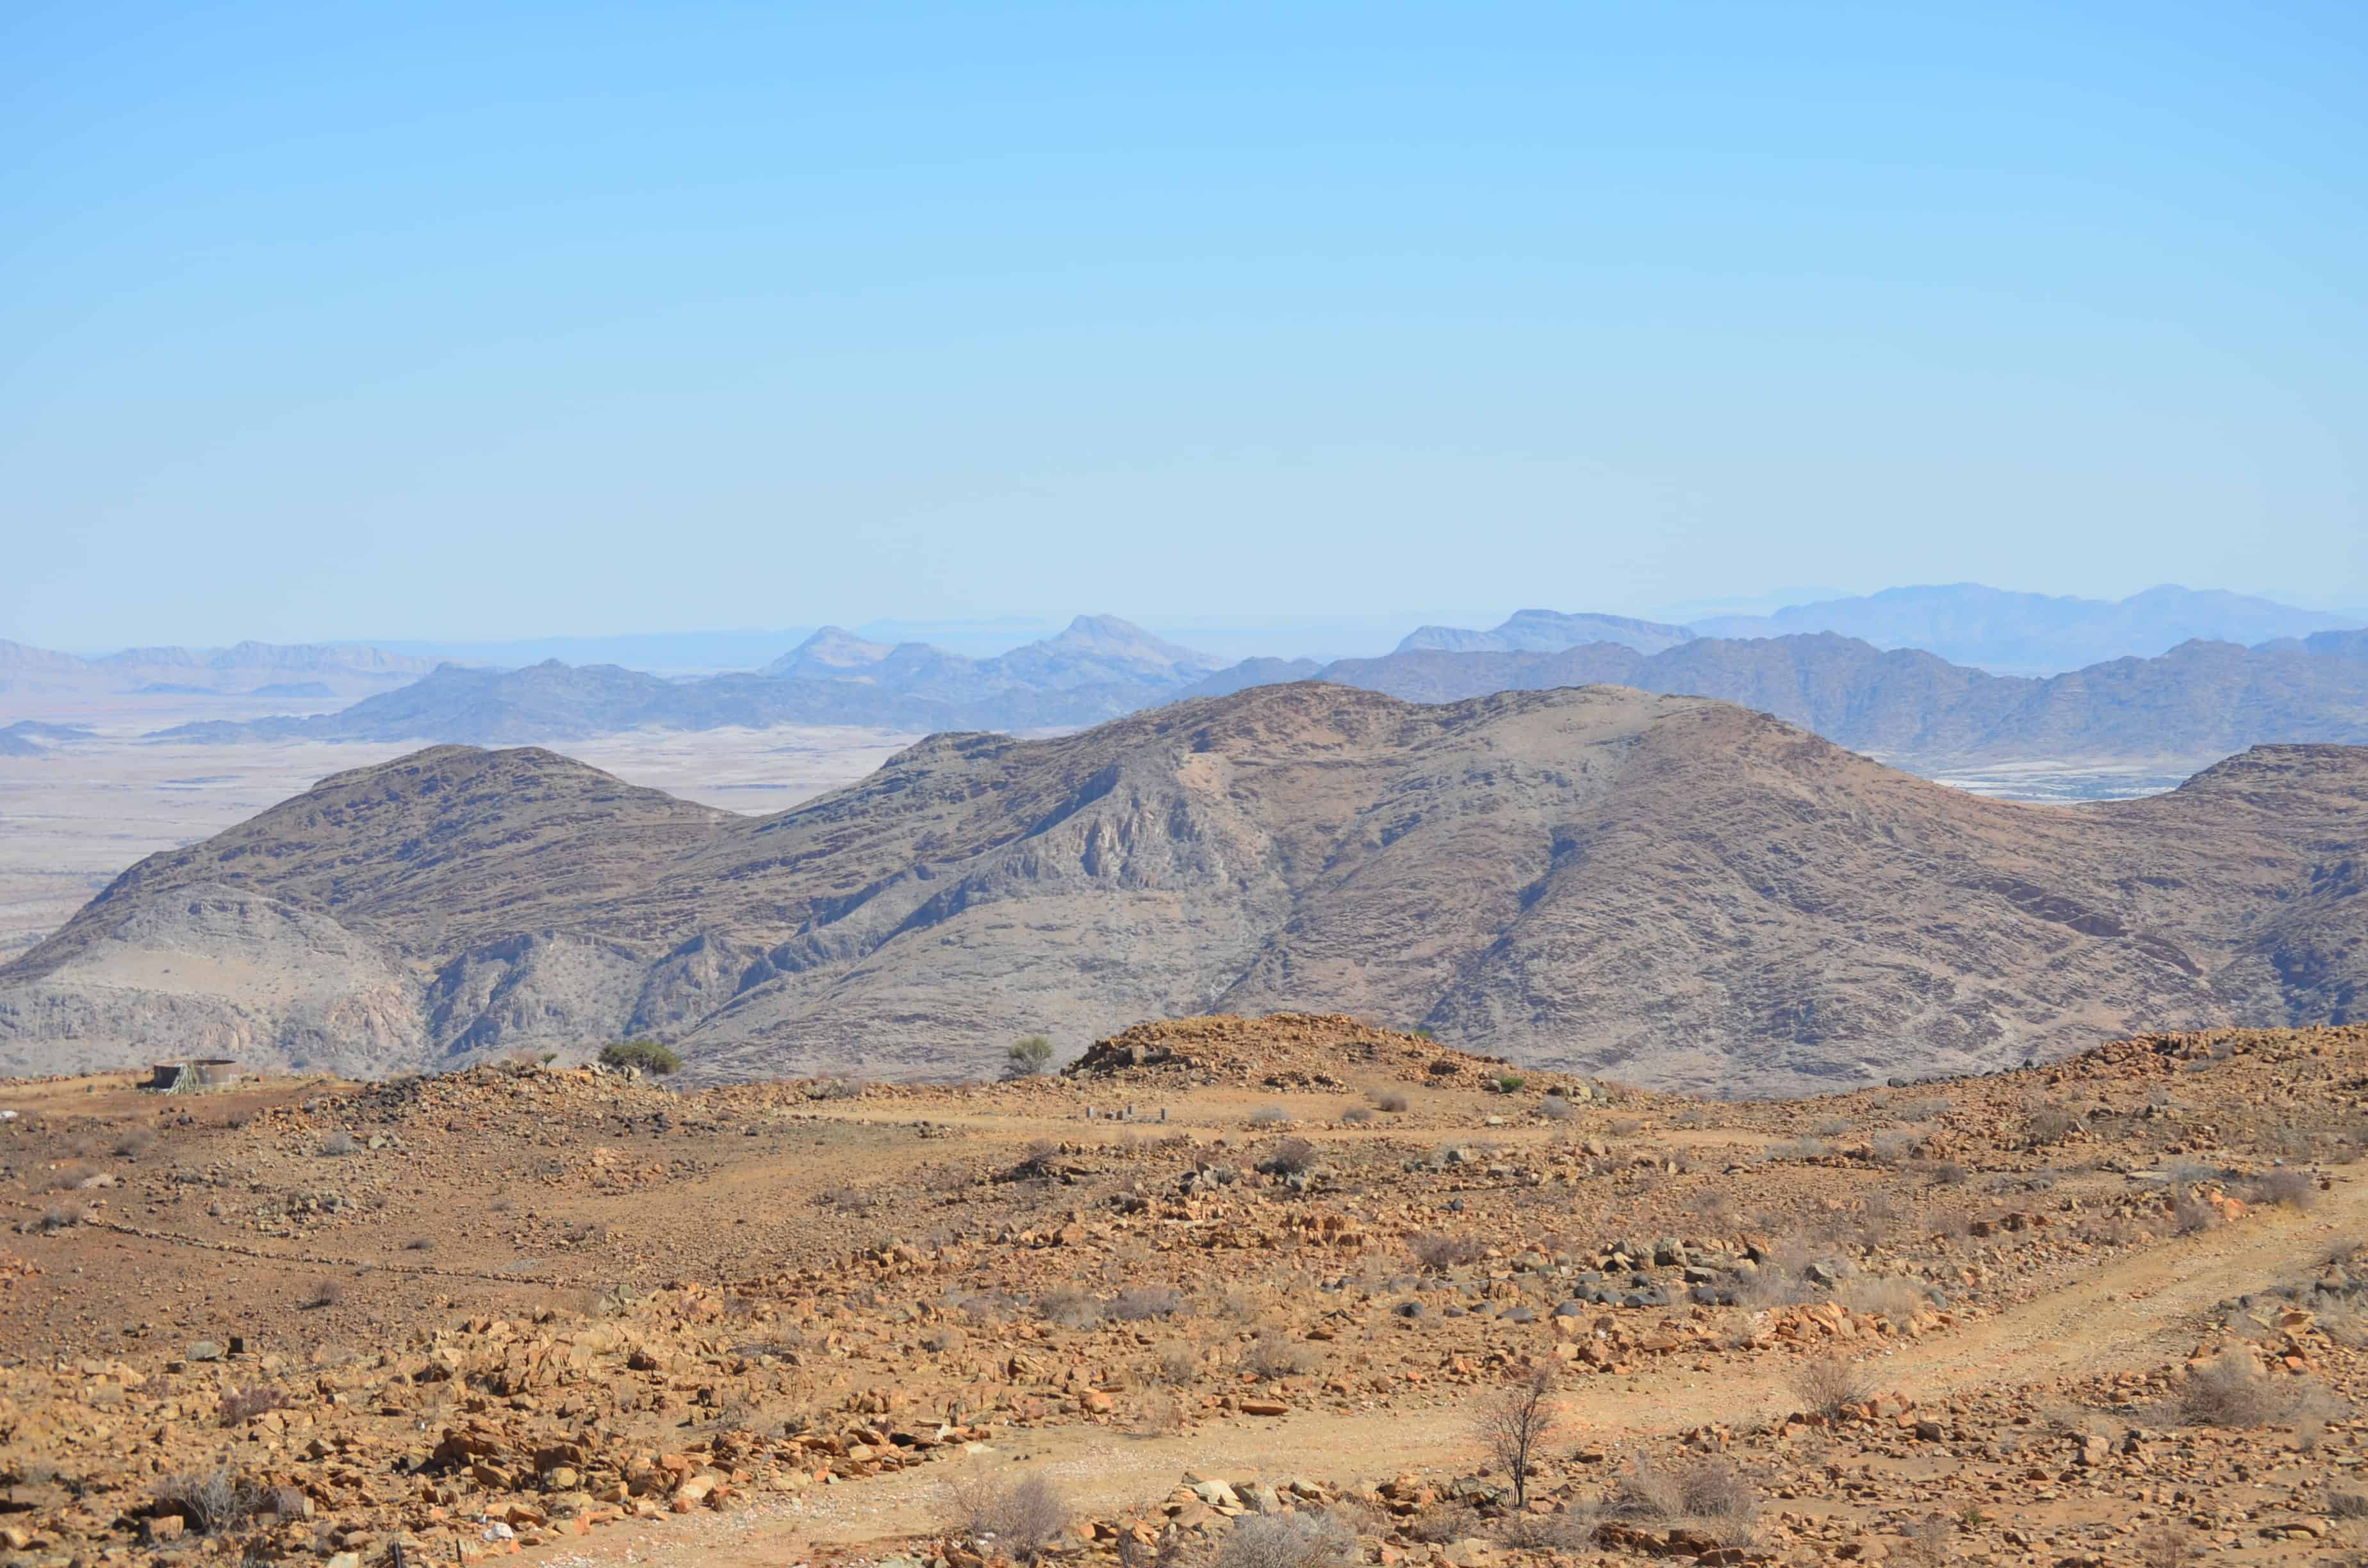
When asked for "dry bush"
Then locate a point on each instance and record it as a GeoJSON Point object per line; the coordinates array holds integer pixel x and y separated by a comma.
{"type": "Point", "coordinates": [1798, 1149]}
{"type": "Point", "coordinates": [2190, 1216]}
{"type": "Point", "coordinates": [61, 1216]}
{"type": "Point", "coordinates": [2344, 1502]}
{"type": "Point", "coordinates": [1159, 1414]}
{"type": "Point", "coordinates": [1303, 1539]}
{"type": "Point", "coordinates": [1357, 1115]}
{"type": "Point", "coordinates": [1829, 1384]}
{"type": "Point", "coordinates": [420, 1243]}
{"type": "Point", "coordinates": [1624, 1126]}
{"type": "Point", "coordinates": [2232, 1391]}
{"type": "Point", "coordinates": [1292, 1156]}
{"type": "Point", "coordinates": [1017, 1519]}
{"type": "Point", "coordinates": [212, 1501]}
{"type": "Point", "coordinates": [1948, 1173]}
{"type": "Point", "coordinates": [135, 1142]}
{"type": "Point", "coordinates": [1554, 1107]}
{"type": "Point", "coordinates": [337, 1141]}
{"type": "Point", "coordinates": [1710, 1492]}
{"type": "Point", "coordinates": [1513, 1424]}
{"type": "Point", "coordinates": [1179, 1365]}
{"type": "Point", "coordinates": [1439, 1252]}
{"type": "Point", "coordinates": [1886, 1295]}
{"type": "Point", "coordinates": [1390, 1100]}
{"type": "Point", "coordinates": [1070, 1309]}
{"type": "Point", "coordinates": [1925, 1543]}
{"type": "Point", "coordinates": [2050, 1124]}
{"type": "Point", "coordinates": [1270, 1116]}
{"type": "Point", "coordinates": [2288, 1189]}
{"type": "Point", "coordinates": [1561, 1535]}
{"type": "Point", "coordinates": [241, 1405]}
{"type": "Point", "coordinates": [1137, 1303]}
{"type": "Point", "coordinates": [1274, 1354]}
{"type": "Point", "coordinates": [1446, 1523]}
{"type": "Point", "coordinates": [324, 1293]}
{"type": "Point", "coordinates": [2167, 1545]}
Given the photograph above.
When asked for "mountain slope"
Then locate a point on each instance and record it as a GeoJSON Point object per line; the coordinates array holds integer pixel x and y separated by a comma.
{"type": "Point", "coordinates": [1675, 889]}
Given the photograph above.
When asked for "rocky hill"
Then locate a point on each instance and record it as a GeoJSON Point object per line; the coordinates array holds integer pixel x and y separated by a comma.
{"type": "Point", "coordinates": [1678, 891]}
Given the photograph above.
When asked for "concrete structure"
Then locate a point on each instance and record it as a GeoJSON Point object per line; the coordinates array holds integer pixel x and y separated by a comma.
{"type": "Point", "coordinates": [188, 1077]}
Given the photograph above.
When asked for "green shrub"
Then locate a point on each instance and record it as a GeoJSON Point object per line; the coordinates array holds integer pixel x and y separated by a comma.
{"type": "Point", "coordinates": [1029, 1055]}
{"type": "Point", "coordinates": [646, 1055]}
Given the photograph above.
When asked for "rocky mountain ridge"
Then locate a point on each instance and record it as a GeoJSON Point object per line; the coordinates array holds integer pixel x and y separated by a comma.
{"type": "Point", "coordinates": [1674, 889]}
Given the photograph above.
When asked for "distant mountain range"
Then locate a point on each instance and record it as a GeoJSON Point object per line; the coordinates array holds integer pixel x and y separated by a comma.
{"type": "Point", "coordinates": [1098, 668]}
{"type": "Point", "coordinates": [2200, 701]}
{"type": "Point", "coordinates": [1990, 629]}
{"type": "Point", "coordinates": [1667, 889]}
{"type": "Point", "coordinates": [244, 669]}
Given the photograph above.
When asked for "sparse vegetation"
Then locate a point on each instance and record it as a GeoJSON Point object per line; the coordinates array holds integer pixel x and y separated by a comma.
{"type": "Point", "coordinates": [1829, 1385]}
{"type": "Point", "coordinates": [1017, 1519]}
{"type": "Point", "coordinates": [323, 1293]}
{"type": "Point", "coordinates": [1300, 1539]}
{"type": "Point", "coordinates": [214, 1502]}
{"type": "Point", "coordinates": [1439, 1252]}
{"type": "Point", "coordinates": [650, 1057]}
{"type": "Point", "coordinates": [1513, 1425]}
{"type": "Point", "coordinates": [1029, 1055]}
{"type": "Point", "coordinates": [1391, 1101]}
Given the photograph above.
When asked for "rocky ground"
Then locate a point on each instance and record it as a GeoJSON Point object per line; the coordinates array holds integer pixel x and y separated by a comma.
{"type": "Point", "coordinates": [1249, 1288]}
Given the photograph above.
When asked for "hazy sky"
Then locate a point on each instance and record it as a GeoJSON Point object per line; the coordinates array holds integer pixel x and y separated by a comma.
{"type": "Point", "coordinates": [481, 319]}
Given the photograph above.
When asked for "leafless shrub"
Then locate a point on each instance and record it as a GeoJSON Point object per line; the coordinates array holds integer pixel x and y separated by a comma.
{"type": "Point", "coordinates": [1158, 1414]}
{"type": "Point", "coordinates": [1179, 1365]}
{"type": "Point", "coordinates": [1274, 1354]}
{"type": "Point", "coordinates": [1829, 1385]}
{"type": "Point", "coordinates": [1446, 1523]}
{"type": "Point", "coordinates": [323, 1293]}
{"type": "Point", "coordinates": [1019, 1520]}
{"type": "Point", "coordinates": [420, 1243]}
{"type": "Point", "coordinates": [1292, 1156]}
{"type": "Point", "coordinates": [337, 1141]}
{"type": "Point", "coordinates": [1710, 1490]}
{"type": "Point", "coordinates": [1925, 1543]}
{"type": "Point", "coordinates": [1439, 1252]}
{"type": "Point", "coordinates": [1357, 1115]}
{"type": "Point", "coordinates": [2231, 1391]}
{"type": "Point", "coordinates": [1948, 1173]}
{"type": "Point", "coordinates": [2345, 1502]}
{"type": "Point", "coordinates": [212, 1501]}
{"type": "Point", "coordinates": [240, 1406]}
{"type": "Point", "coordinates": [2050, 1124]}
{"type": "Point", "coordinates": [2284, 1188]}
{"type": "Point", "coordinates": [2191, 1215]}
{"type": "Point", "coordinates": [135, 1142]}
{"type": "Point", "coordinates": [1513, 1424]}
{"type": "Point", "coordinates": [59, 1217]}
{"type": "Point", "coordinates": [1299, 1540]}
{"type": "Point", "coordinates": [1270, 1116]}
{"type": "Point", "coordinates": [1624, 1126]}
{"type": "Point", "coordinates": [1137, 1303]}
{"type": "Point", "coordinates": [1070, 1309]}
{"type": "Point", "coordinates": [1390, 1100]}
{"type": "Point", "coordinates": [1886, 1296]}
{"type": "Point", "coordinates": [2165, 1546]}
{"type": "Point", "coordinates": [1799, 1149]}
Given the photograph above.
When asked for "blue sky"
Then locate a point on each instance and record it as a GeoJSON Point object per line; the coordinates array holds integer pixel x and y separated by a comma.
{"type": "Point", "coordinates": [501, 320]}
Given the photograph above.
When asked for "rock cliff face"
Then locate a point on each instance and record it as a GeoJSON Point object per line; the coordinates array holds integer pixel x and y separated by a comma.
{"type": "Point", "coordinates": [1667, 889]}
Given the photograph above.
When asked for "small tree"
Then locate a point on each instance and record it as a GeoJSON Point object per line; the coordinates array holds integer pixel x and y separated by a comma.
{"type": "Point", "coordinates": [648, 1055]}
{"type": "Point", "coordinates": [1514, 1424]}
{"type": "Point", "coordinates": [1029, 1055]}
